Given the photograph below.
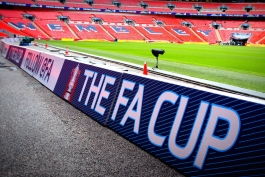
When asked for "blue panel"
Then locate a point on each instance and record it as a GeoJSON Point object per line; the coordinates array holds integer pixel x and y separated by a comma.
{"type": "Point", "coordinates": [180, 31]}
{"type": "Point", "coordinates": [120, 29]}
{"type": "Point", "coordinates": [55, 27]}
{"type": "Point", "coordinates": [149, 30]}
{"type": "Point", "coordinates": [205, 32]}
{"type": "Point", "coordinates": [245, 156]}
{"type": "Point", "coordinates": [89, 28]}
{"type": "Point", "coordinates": [72, 81]}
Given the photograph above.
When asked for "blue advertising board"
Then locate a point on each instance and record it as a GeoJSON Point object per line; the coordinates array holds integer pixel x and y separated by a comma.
{"type": "Point", "coordinates": [196, 132]}
{"type": "Point", "coordinates": [91, 89]}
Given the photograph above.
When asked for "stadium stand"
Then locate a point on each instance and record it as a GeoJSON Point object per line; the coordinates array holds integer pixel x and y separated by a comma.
{"type": "Point", "coordinates": [256, 36]}
{"type": "Point", "coordinates": [141, 19]}
{"type": "Point", "coordinates": [26, 27]}
{"type": "Point", "coordinates": [157, 33]}
{"type": "Point", "coordinates": [109, 18]}
{"type": "Point", "coordinates": [169, 20]}
{"type": "Point", "coordinates": [206, 33]}
{"type": "Point", "coordinates": [4, 26]}
{"type": "Point", "coordinates": [80, 5]}
{"type": "Point", "coordinates": [230, 23]}
{"type": "Point", "coordinates": [55, 29]}
{"type": "Point", "coordinates": [12, 13]}
{"type": "Point", "coordinates": [123, 32]}
{"type": "Point", "coordinates": [156, 9]}
{"type": "Point", "coordinates": [22, 1]}
{"type": "Point", "coordinates": [257, 24]}
{"type": "Point", "coordinates": [78, 16]}
{"type": "Point", "coordinates": [90, 31]}
{"type": "Point", "coordinates": [200, 23]}
{"type": "Point", "coordinates": [97, 6]}
{"type": "Point", "coordinates": [131, 8]}
{"type": "Point", "coordinates": [44, 15]}
{"type": "Point", "coordinates": [129, 2]}
{"type": "Point", "coordinates": [2, 35]}
{"type": "Point", "coordinates": [49, 3]}
{"type": "Point", "coordinates": [183, 33]}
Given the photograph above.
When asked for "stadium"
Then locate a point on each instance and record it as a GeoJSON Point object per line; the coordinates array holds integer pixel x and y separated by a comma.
{"type": "Point", "coordinates": [200, 61]}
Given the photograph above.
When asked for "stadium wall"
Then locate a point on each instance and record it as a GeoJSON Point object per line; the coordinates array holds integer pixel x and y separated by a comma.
{"type": "Point", "coordinates": [199, 132]}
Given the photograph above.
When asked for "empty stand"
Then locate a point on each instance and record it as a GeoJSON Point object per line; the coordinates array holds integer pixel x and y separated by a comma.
{"type": "Point", "coordinates": [55, 29]}
{"type": "Point", "coordinates": [257, 24]}
{"type": "Point", "coordinates": [200, 23]}
{"type": "Point", "coordinates": [141, 19]}
{"type": "Point", "coordinates": [86, 17]}
{"type": "Point", "coordinates": [169, 20]}
{"type": "Point", "coordinates": [157, 33]}
{"type": "Point", "coordinates": [22, 1]}
{"type": "Point", "coordinates": [2, 35]}
{"type": "Point", "coordinates": [130, 2]}
{"type": "Point", "coordinates": [6, 27]}
{"type": "Point", "coordinates": [80, 5]}
{"type": "Point", "coordinates": [98, 6]}
{"type": "Point", "coordinates": [26, 26]}
{"type": "Point", "coordinates": [44, 15]}
{"type": "Point", "coordinates": [12, 13]}
{"type": "Point", "coordinates": [49, 3]}
{"type": "Point", "coordinates": [183, 33]}
{"type": "Point", "coordinates": [206, 33]}
{"type": "Point", "coordinates": [226, 34]}
{"type": "Point", "coordinates": [123, 32]}
{"type": "Point", "coordinates": [157, 9]}
{"type": "Point", "coordinates": [90, 31]}
{"type": "Point", "coordinates": [110, 18]}
{"type": "Point", "coordinates": [230, 23]}
{"type": "Point", "coordinates": [256, 36]}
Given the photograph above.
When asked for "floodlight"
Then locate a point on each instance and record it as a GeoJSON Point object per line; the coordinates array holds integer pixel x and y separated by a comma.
{"type": "Point", "coordinates": [156, 53]}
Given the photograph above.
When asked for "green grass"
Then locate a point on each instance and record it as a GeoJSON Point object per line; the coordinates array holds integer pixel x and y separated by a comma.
{"type": "Point", "coordinates": [234, 65]}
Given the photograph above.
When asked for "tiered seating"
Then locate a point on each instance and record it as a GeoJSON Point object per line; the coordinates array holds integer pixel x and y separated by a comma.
{"type": "Point", "coordinates": [2, 35]}
{"type": "Point", "coordinates": [131, 8]}
{"type": "Point", "coordinates": [97, 6]}
{"type": "Point", "coordinates": [157, 33]}
{"type": "Point", "coordinates": [49, 3]}
{"type": "Point", "coordinates": [226, 34]}
{"type": "Point", "coordinates": [85, 17]}
{"type": "Point", "coordinates": [259, 6]}
{"type": "Point", "coordinates": [211, 6]}
{"type": "Point", "coordinates": [123, 32]}
{"type": "Point", "coordinates": [157, 9]}
{"type": "Point", "coordinates": [256, 35]}
{"type": "Point", "coordinates": [79, 1]}
{"type": "Point", "coordinates": [169, 20]}
{"type": "Point", "coordinates": [156, 3]}
{"type": "Point", "coordinates": [92, 31]}
{"type": "Point", "coordinates": [141, 19]}
{"type": "Point", "coordinates": [8, 28]}
{"type": "Point", "coordinates": [257, 12]}
{"type": "Point", "coordinates": [230, 23]}
{"type": "Point", "coordinates": [257, 24]}
{"type": "Point", "coordinates": [236, 6]}
{"type": "Point", "coordinates": [235, 12]}
{"type": "Point", "coordinates": [110, 18]}
{"type": "Point", "coordinates": [12, 13]}
{"type": "Point", "coordinates": [262, 41]}
{"type": "Point", "coordinates": [130, 2]}
{"type": "Point", "coordinates": [183, 33]}
{"type": "Point", "coordinates": [22, 1]}
{"type": "Point", "coordinates": [27, 27]}
{"type": "Point", "coordinates": [185, 5]}
{"type": "Point", "coordinates": [200, 23]}
{"type": "Point", "coordinates": [206, 33]}
{"type": "Point", "coordinates": [178, 10]}
{"type": "Point", "coordinates": [80, 5]}
{"type": "Point", "coordinates": [102, 1]}
{"type": "Point", "coordinates": [56, 29]}
{"type": "Point", "coordinates": [45, 15]}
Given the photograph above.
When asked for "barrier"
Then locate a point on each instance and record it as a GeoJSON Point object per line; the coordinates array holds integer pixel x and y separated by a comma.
{"type": "Point", "coordinates": [92, 90]}
{"type": "Point", "coordinates": [200, 132]}
{"type": "Point", "coordinates": [197, 132]}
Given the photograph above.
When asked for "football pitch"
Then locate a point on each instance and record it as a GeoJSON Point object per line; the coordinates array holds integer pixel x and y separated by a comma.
{"type": "Point", "coordinates": [234, 65]}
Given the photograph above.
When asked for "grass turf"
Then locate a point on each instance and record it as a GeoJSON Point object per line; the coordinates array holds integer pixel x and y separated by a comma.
{"type": "Point", "coordinates": [234, 65]}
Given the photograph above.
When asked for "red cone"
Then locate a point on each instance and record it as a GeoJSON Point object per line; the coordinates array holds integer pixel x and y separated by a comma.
{"type": "Point", "coordinates": [145, 71]}
{"type": "Point", "coordinates": [66, 52]}
{"type": "Point", "coordinates": [46, 46]}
